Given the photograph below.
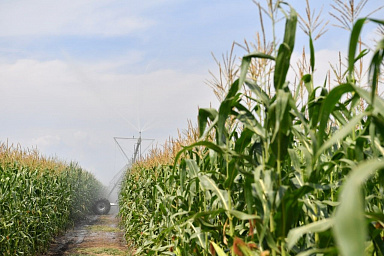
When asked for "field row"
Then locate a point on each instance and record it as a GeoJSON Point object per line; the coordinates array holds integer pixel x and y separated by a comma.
{"type": "Point", "coordinates": [39, 198]}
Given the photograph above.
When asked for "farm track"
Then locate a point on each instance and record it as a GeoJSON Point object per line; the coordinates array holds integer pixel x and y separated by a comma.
{"type": "Point", "coordinates": [97, 235]}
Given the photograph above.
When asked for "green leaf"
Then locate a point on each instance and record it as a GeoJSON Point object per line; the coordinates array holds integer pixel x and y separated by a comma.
{"type": "Point", "coordinates": [244, 140]}
{"type": "Point", "coordinates": [262, 95]}
{"type": "Point", "coordinates": [207, 144]}
{"type": "Point", "coordinates": [307, 79]}
{"type": "Point", "coordinates": [350, 228]}
{"type": "Point", "coordinates": [376, 239]}
{"type": "Point", "coordinates": [282, 111]}
{"type": "Point", "coordinates": [374, 69]}
{"type": "Point", "coordinates": [312, 57]}
{"type": "Point", "coordinates": [224, 112]}
{"type": "Point", "coordinates": [378, 104]}
{"type": "Point", "coordinates": [244, 216]}
{"type": "Point", "coordinates": [290, 28]}
{"type": "Point", "coordinates": [248, 194]}
{"type": "Point", "coordinates": [208, 184]}
{"type": "Point", "coordinates": [250, 122]}
{"type": "Point", "coordinates": [219, 251]}
{"type": "Point", "coordinates": [316, 251]}
{"type": "Point", "coordinates": [193, 168]}
{"type": "Point", "coordinates": [282, 65]}
{"type": "Point", "coordinates": [285, 51]}
{"type": "Point", "coordinates": [377, 21]}
{"type": "Point", "coordinates": [289, 207]}
{"type": "Point", "coordinates": [294, 159]}
{"type": "Point", "coordinates": [246, 61]}
{"type": "Point", "coordinates": [200, 236]}
{"type": "Point", "coordinates": [282, 123]}
{"type": "Point", "coordinates": [342, 133]}
{"type": "Point", "coordinates": [316, 227]}
{"type": "Point", "coordinates": [232, 171]}
{"type": "Point", "coordinates": [204, 115]}
{"type": "Point", "coordinates": [355, 35]}
{"type": "Point", "coordinates": [314, 104]}
{"type": "Point", "coordinates": [328, 106]}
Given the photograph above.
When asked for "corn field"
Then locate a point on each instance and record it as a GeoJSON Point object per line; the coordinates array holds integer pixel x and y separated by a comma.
{"type": "Point", "coordinates": [270, 175]}
{"type": "Point", "coordinates": [39, 198]}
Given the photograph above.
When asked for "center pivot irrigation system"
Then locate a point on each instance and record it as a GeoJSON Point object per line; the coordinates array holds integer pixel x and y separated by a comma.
{"type": "Point", "coordinates": [103, 205]}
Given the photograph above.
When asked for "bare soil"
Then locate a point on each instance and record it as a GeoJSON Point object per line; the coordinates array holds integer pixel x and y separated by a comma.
{"type": "Point", "coordinates": [97, 235]}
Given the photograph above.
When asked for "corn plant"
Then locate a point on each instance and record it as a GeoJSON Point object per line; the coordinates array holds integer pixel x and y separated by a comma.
{"type": "Point", "coordinates": [274, 179]}
{"type": "Point", "coordinates": [39, 198]}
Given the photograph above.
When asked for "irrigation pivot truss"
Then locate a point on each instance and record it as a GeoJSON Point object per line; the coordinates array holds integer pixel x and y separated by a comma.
{"type": "Point", "coordinates": [137, 147]}
{"type": "Point", "coordinates": [103, 205]}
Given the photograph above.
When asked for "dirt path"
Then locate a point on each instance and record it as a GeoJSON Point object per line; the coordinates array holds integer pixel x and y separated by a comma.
{"type": "Point", "coordinates": [98, 235]}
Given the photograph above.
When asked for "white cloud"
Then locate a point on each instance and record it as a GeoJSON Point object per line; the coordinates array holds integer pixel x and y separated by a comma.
{"type": "Point", "coordinates": [73, 110]}
{"type": "Point", "coordinates": [64, 88]}
{"type": "Point", "coordinates": [46, 141]}
{"type": "Point", "coordinates": [82, 17]}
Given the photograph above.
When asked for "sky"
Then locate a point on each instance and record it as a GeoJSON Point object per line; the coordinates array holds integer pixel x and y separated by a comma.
{"type": "Point", "coordinates": [75, 74]}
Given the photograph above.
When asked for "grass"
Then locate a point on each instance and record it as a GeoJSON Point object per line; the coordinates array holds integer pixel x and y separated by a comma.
{"type": "Point", "coordinates": [99, 251]}
{"type": "Point", "coordinates": [103, 228]}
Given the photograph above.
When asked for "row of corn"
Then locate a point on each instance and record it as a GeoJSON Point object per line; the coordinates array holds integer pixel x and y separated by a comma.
{"type": "Point", "coordinates": [39, 198]}
{"type": "Point", "coordinates": [270, 175]}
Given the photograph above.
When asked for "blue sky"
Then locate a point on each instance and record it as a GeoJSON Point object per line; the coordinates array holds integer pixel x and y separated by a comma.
{"type": "Point", "coordinates": [74, 74]}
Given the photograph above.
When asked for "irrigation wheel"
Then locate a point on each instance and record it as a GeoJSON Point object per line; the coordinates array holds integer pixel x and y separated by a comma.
{"type": "Point", "coordinates": [102, 206]}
